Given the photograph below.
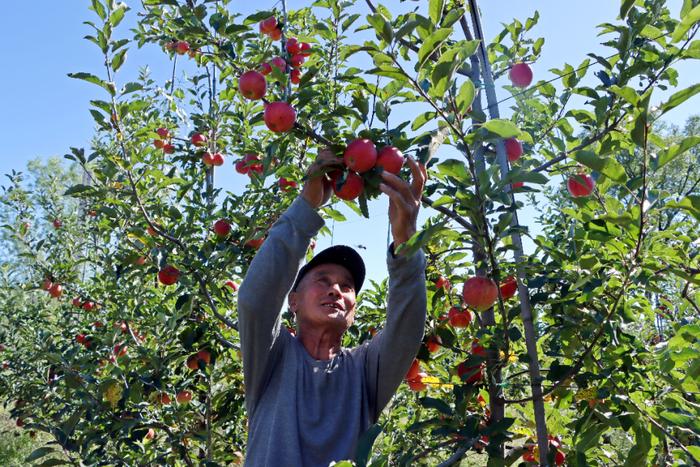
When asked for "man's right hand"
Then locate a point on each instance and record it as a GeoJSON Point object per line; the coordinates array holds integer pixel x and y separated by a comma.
{"type": "Point", "coordinates": [318, 187]}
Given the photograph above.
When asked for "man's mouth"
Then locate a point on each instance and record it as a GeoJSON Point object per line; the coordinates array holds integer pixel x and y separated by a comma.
{"type": "Point", "coordinates": [333, 306]}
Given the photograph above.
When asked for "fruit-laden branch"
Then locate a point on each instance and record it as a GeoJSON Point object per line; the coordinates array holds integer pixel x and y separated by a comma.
{"type": "Point", "coordinates": [612, 126]}
{"type": "Point", "coordinates": [518, 254]}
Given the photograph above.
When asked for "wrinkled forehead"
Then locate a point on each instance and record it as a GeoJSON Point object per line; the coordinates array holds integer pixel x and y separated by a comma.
{"type": "Point", "coordinates": [331, 269]}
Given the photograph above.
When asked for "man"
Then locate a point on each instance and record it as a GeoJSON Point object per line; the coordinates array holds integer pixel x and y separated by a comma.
{"type": "Point", "coordinates": [309, 400]}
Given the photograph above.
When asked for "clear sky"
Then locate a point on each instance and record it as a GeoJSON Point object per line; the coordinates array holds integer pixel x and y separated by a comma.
{"type": "Point", "coordinates": [43, 112]}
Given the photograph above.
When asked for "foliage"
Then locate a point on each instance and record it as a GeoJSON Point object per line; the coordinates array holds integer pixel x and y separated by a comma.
{"type": "Point", "coordinates": [607, 307]}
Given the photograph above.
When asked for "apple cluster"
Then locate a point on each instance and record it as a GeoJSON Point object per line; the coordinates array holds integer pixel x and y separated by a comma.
{"type": "Point", "coordinates": [359, 157]}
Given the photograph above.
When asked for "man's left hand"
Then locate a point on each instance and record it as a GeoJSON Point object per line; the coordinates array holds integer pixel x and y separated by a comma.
{"type": "Point", "coordinates": [404, 200]}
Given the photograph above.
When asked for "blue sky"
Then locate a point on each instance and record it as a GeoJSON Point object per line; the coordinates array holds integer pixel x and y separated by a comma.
{"type": "Point", "coordinates": [44, 112]}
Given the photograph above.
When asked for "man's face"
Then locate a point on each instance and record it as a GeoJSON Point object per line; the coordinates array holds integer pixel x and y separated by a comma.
{"type": "Point", "coordinates": [325, 298]}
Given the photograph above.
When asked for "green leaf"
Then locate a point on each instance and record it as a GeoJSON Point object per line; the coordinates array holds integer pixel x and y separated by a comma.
{"type": "Point", "coordinates": [465, 96]}
{"type": "Point", "coordinates": [608, 166]}
{"type": "Point", "coordinates": [625, 8]}
{"type": "Point", "coordinates": [118, 59]}
{"type": "Point", "coordinates": [117, 15]}
{"type": "Point", "coordinates": [676, 150]}
{"type": "Point", "coordinates": [52, 463]}
{"type": "Point", "coordinates": [76, 189]}
{"type": "Point", "coordinates": [502, 128]}
{"type": "Point", "coordinates": [679, 97]}
{"type": "Point", "coordinates": [435, 8]}
{"type": "Point", "coordinates": [690, 203]}
{"type": "Point", "coordinates": [364, 445]}
{"type": "Point", "coordinates": [498, 427]}
{"type": "Point", "coordinates": [686, 23]}
{"type": "Point", "coordinates": [98, 8]}
{"type": "Point", "coordinates": [419, 239]}
{"type": "Point", "coordinates": [432, 44]}
{"type": "Point", "coordinates": [437, 404]}
{"type": "Point", "coordinates": [39, 453]}
{"type": "Point", "coordinates": [681, 418]}
{"type": "Point", "coordinates": [422, 119]}
{"type": "Point", "coordinates": [90, 78]}
{"type": "Point", "coordinates": [381, 26]}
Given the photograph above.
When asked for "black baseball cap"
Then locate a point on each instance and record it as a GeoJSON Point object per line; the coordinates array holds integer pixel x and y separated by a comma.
{"type": "Point", "coordinates": [338, 254]}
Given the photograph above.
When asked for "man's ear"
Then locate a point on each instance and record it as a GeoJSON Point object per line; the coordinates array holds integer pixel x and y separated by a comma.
{"type": "Point", "coordinates": [292, 301]}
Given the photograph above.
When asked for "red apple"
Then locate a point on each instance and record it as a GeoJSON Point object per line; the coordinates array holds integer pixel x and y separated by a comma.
{"type": "Point", "coordinates": [56, 290]}
{"type": "Point", "coordinates": [276, 34]}
{"type": "Point", "coordinates": [580, 185]}
{"type": "Point", "coordinates": [46, 285]}
{"type": "Point", "coordinates": [518, 185]}
{"type": "Point", "coordinates": [192, 362]}
{"type": "Point", "coordinates": [199, 140]}
{"type": "Point", "coordinates": [254, 243]}
{"type": "Point", "coordinates": [151, 231]}
{"type": "Point", "coordinates": [286, 185]}
{"type": "Point", "coordinates": [158, 143]}
{"type": "Point", "coordinates": [168, 148]}
{"type": "Point", "coordinates": [183, 397]}
{"type": "Point", "coordinates": [297, 60]}
{"type": "Point", "coordinates": [265, 68]}
{"type": "Point", "coordinates": [295, 76]}
{"type": "Point", "coordinates": [559, 458]}
{"type": "Point", "coordinates": [164, 133]}
{"type": "Point", "coordinates": [280, 63]}
{"type": "Point", "coordinates": [470, 374]}
{"type": "Point", "coordinates": [252, 85]}
{"type": "Point", "coordinates": [222, 228]}
{"type": "Point", "coordinates": [443, 283]}
{"type": "Point", "coordinates": [350, 189]}
{"type": "Point", "coordinates": [88, 306]}
{"type": "Point", "coordinates": [509, 287]}
{"type": "Point", "coordinates": [279, 116]}
{"type": "Point", "coordinates": [360, 155]}
{"type": "Point", "coordinates": [77, 302]}
{"type": "Point", "coordinates": [119, 350]}
{"type": "Point", "coordinates": [140, 261]}
{"type": "Point", "coordinates": [514, 149]}
{"type": "Point", "coordinates": [231, 284]}
{"type": "Point", "coordinates": [390, 159]}
{"type": "Point", "coordinates": [19, 423]}
{"type": "Point", "coordinates": [57, 224]}
{"type": "Point", "coordinates": [417, 384]}
{"type": "Point", "coordinates": [168, 275]}
{"type": "Point", "coordinates": [150, 434]}
{"type": "Point", "coordinates": [520, 75]}
{"type": "Point", "coordinates": [215, 159]}
{"type": "Point", "coordinates": [204, 356]}
{"type": "Point", "coordinates": [253, 163]}
{"type": "Point", "coordinates": [163, 399]}
{"type": "Point", "coordinates": [433, 343]}
{"type": "Point", "coordinates": [182, 47]}
{"type": "Point", "coordinates": [268, 25]}
{"type": "Point", "coordinates": [414, 370]}
{"type": "Point", "coordinates": [305, 47]}
{"type": "Point", "coordinates": [293, 46]}
{"type": "Point", "coordinates": [459, 318]}
{"type": "Point", "coordinates": [80, 338]}
{"type": "Point", "coordinates": [480, 293]}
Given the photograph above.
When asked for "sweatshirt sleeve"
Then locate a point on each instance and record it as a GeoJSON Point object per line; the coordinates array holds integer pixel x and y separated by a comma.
{"type": "Point", "coordinates": [264, 289]}
{"type": "Point", "coordinates": [391, 352]}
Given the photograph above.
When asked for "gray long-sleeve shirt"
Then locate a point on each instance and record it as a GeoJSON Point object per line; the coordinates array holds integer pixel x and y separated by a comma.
{"type": "Point", "coordinates": [307, 412]}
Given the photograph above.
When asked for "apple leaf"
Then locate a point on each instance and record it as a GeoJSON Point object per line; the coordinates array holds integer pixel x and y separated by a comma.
{"type": "Point", "coordinates": [625, 8]}
{"type": "Point", "coordinates": [117, 15]}
{"type": "Point", "coordinates": [686, 23]}
{"type": "Point", "coordinates": [437, 404]}
{"type": "Point", "coordinates": [381, 26]}
{"type": "Point", "coordinates": [435, 8]}
{"type": "Point", "coordinates": [667, 155]}
{"type": "Point", "coordinates": [608, 166]}
{"type": "Point", "coordinates": [90, 78]}
{"type": "Point", "coordinates": [419, 239]}
{"type": "Point", "coordinates": [39, 453]}
{"type": "Point", "coordinates": [690, 203]}
{"type": "Point", "coordinates": [118, 59]}
{"type": "Point", "coordinates": [465, 96]}
{"type": "Point", "coordinates": [678, 98]}
{"type": "Point", "coordinates": [98, 8]}
{"type": "Point", "coordinates": [422, 119]}
{"type": "Point", "coordinates": [431, 44]}
{"type": "Point", "coordinates": [259, 16]}
{"type": "Point", "coordinates": [502, 128]}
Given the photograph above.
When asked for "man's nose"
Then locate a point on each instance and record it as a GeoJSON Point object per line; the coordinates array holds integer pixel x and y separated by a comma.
{"type": "Point", "coordinates": [334, 289]}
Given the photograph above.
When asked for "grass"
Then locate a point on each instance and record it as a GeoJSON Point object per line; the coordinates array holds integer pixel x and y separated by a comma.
{"type": "Point", "coordinates": [16, 443]}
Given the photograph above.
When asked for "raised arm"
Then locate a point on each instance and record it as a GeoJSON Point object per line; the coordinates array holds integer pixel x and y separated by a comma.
{"type": "Point", "coordinates": [269, 278]}
{"type": "Point", "coordinates": [391, 351]}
